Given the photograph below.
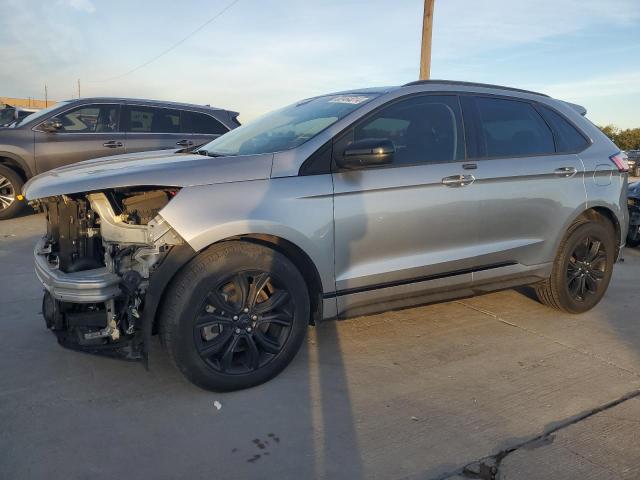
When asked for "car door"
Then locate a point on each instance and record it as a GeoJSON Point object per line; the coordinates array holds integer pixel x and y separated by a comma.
{"type": "Point", "coordinates": [410, 227]}
{"type": "Point", "coordinates": [154, 128]}
{"type": "Point", "coordinates": [527, 188]}
{"type": "Point", "coordinates": [201, 127]}
{"type": "Point", "coordinates": [87, 131]}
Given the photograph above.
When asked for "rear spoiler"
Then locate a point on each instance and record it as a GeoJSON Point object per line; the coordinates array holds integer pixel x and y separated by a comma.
{"type": "Point", "coordinates": [578, 108]}
{"type": "Point", "coordinates": [234, 117]}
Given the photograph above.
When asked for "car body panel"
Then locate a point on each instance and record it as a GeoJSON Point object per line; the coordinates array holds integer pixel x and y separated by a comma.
{"type": "Point", "coordinates": [52, 150]}
{"type": "Point", "coordinates": [299, 210]}
{"type": "Point", "coordinates": [398, 223]}
{"type": "Point", "coordinates": [528, 205]}
{"type": "Point", "coordinates": [175, 169]}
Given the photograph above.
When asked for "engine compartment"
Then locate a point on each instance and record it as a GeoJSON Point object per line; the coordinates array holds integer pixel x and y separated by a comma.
{"type": "Point", "coordinates": [115, 237]}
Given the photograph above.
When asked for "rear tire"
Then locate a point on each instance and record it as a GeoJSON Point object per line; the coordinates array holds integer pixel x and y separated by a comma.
{"type": "Point", "coordinates": [10, 187]}
{"type": "Point", "coordinates": [235, 316]}
{"type": "Point", "coordinates": [582, 269]}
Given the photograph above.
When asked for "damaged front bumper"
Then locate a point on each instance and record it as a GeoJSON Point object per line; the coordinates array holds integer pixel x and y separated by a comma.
{"type": "Point", "coordinates": [87, 286]}
{"type": "Point", "coordinates": [96, 266]}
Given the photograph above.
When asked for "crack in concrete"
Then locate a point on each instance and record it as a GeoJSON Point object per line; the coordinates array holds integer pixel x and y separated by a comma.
{"type": "Point", "coordinates": [551, 339]}
{"type": "Point", "coordinates": [488, 468]}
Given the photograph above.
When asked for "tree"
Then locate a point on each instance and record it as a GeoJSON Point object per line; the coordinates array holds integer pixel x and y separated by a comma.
{"type": "Point", "coordinates": [628, 139]}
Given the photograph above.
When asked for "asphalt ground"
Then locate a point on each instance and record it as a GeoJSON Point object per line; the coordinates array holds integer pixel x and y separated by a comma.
{"type": "Point", "coordinates": [497, 383]}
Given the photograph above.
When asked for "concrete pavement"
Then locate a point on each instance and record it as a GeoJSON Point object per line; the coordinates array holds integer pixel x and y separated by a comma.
{"type": "Point", "coordinates": [441, 391]}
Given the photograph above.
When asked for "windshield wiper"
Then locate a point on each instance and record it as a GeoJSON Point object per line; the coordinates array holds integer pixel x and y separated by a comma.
{"type": "Point", "coordinates": [214, 154]}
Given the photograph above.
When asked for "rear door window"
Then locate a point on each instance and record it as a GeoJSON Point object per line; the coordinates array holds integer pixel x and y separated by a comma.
{"type": "Point", "coordinates": [195, 122]}
{"type": "Point", "coordinates": [511, 128]}
{"type": "Point", "coordinates": [153, 120]}
{"type": "Point", "coordinates": [91, 119]}
{"type": "Point", "coordinates": [568, 138]}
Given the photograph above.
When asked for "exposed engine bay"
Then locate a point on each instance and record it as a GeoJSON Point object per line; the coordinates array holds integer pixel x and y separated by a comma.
{"type": "Point", "coordinates": [95, 262]}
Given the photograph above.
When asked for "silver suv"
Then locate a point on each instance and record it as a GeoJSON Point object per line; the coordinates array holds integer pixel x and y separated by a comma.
{"type": "Point", "coordinates": [336, 206]}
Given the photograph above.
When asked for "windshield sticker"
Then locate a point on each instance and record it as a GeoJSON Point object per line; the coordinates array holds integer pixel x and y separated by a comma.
{"type": "Point", "coordinates": [351, 99]}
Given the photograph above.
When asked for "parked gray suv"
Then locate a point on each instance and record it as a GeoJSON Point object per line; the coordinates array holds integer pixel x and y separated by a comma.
{"type": "Point", "coordinates": [77, 130]}
{"type": "Point", "coordinates": [335, 206]}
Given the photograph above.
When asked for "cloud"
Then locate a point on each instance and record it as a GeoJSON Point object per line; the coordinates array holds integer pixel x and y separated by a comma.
{"type": "Point", "coordinates": [491, 25]}
{"type": "Point", "coordinates": [82, 5]}
{"type": "Point", "coordinates": [627, 83]}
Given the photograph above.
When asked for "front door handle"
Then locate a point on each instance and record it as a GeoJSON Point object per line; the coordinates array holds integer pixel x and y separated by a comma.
{"type": "Point", "coordinates": [458, 180]}
{"type": "Point", "coordinates": [184, 143]}
{"type": "Point", "coordinates": [112, 144]}
{"type": "Point", "coordinates": [565, 171]}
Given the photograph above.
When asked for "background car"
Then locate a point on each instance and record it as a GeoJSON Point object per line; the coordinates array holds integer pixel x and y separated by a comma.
{"type": "Point", "coordinates": [77, 130]}
{"type": "Point", "coordinates": [633, 158]}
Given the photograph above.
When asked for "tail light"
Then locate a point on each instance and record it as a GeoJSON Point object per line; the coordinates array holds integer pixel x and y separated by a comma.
{"type": "Point", "coordinates": [620, 160]}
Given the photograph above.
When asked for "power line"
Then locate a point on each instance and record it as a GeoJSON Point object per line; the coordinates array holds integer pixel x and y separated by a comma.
{"type": "Point", "coordinates": [172, 47]}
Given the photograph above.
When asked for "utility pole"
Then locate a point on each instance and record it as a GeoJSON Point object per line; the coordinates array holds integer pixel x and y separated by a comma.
{"type": "Point", "coordinates": [46, 97]}
{"type": "Point", "coordinates": [78, 88]}
{"type": "Point", "coordinates": [425, 54]}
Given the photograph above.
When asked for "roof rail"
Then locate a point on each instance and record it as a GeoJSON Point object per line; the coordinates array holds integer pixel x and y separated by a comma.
{"type": "Point", "coordinates": [471, 84]}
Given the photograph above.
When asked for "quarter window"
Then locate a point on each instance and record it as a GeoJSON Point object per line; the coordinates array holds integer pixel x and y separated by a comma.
{"type": "Point", "coordinates": [91, 119]}
{"type": "Point", "coordinates": [425, 129]}
{"type": "Point", "coordinates": [511, 128]}
{"type": "Point", "coordinates": [195, 122]}
{"type": "Point", "coordinates": [568, 139]}
{"type": "Point", "coordinates": [153, 120]}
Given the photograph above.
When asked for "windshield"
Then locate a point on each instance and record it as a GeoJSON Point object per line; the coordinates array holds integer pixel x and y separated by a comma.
{"type": "Point", "coordinates": [39, 114]}
{"type": "Point", "coordinates": [288, 127]}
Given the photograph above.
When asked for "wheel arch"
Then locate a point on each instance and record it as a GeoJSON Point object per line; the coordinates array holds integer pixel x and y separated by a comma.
{"type": "Point", "coordinates": [16, 164]}
{"type": "Point", "coordinates": [180, 256]}
{"type": "Point", "coordinates": [600, 213]}
{"type": "Point", "coordinates": [300, 259]}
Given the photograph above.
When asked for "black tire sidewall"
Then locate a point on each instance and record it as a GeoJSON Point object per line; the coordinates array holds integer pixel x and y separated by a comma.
{"type": "Point", "coordinates": [194, 285]}
{"type": "Point", "coordinates": [17, 184]}
{"type": "Point", "coordinates": [605, 235]}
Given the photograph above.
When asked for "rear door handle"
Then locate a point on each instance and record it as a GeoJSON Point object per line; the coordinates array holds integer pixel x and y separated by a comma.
{"type": "Point", "coordinates": [184, 143]}
{"type": "Point", "coordinates": [112, 144]}
{"type": "Point", "coordinates": [458, 180]}
{"type": "Point", "coordinates": [565, 171]}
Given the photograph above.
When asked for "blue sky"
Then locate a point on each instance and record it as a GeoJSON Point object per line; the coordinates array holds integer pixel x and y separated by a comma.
{"type": "Point", "coordinates": [262, 54]}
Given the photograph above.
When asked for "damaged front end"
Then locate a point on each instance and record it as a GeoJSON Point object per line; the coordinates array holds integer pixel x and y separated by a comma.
{"type": "Point", "coordinates": [96, 263]}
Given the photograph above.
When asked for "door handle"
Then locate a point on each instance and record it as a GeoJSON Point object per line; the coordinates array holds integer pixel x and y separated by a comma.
{"type": "Point", "coordinates": [184, 143]}
{"type": "Point", "coordinates": [112, 144]}
{"type": "Point", "coordinates": [565, 171]}
{"type": "Point", "coordinates": [458, 180]}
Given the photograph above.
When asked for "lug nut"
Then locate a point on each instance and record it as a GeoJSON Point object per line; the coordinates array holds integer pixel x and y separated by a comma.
{"type": "Point", "coordinates": [235, 317]}
{"type": "Point", "coordinates": [254, 317]}
{"type": "Point", "coordinates": [248, 329]}
{"type": "Point", "coordinates": [246, 310]}
{"type": "Point", "coordinates": [238, 330]}
{"type": "Point", "coordinates": [209, 308]}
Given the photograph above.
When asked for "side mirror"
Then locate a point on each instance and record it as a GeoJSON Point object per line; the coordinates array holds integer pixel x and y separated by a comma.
{"type": "Point", "coordinates": [370, 152]}
{"type": "Point", "coordinates": [52, 125]}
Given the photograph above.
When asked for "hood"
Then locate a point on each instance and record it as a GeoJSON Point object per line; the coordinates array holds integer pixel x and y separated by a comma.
{"type": "Point", "coordinates": [156, 168]}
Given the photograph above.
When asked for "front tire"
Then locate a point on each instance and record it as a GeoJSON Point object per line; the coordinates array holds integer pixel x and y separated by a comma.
{"type": "Point", "coordinates": [10, 189]}
{"type": "Point", "coordinates": [235, 316]}
{"type": "Point", "coordinates": [582, 269]}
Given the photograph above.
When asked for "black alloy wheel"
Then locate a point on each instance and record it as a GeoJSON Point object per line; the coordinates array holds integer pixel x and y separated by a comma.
{"type": "Point", "coordinates": [235, 316]}
{"type": "Point", "coordinates": [244, 322]}
{"type": "Point", "coordinates": [586, 269]}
